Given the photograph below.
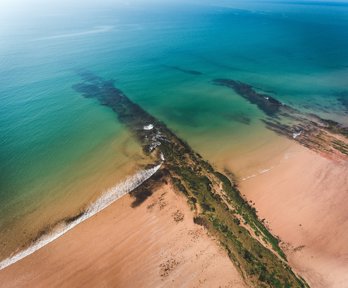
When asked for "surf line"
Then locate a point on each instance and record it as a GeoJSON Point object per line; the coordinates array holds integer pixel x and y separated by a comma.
{"type": "Point", "coordinates": [110, 196]}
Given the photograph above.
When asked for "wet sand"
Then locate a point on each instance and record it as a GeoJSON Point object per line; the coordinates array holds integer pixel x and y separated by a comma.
{"type": "Point", "coordinates": [303, 198]}
{"type": "Point", "coordinates": [154, 245]}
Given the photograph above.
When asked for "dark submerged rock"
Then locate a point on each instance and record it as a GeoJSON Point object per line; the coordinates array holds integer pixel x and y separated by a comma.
{"type": "Point", "coordinates": [308, 129]}
{"type": "Point", "coordinates": [269, 105]}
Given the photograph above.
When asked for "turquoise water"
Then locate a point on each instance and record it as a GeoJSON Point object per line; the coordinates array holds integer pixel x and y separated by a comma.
{"type": "Point", "coordinates": [59, 151]}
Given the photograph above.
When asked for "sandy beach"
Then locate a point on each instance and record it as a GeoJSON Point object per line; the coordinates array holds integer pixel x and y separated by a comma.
{"type": "Point", "coordinates": [153, 245]}
{"type": "Point", "coordinates": [301, 195]}
{"type": "Point", "coordinates": [303, 198]}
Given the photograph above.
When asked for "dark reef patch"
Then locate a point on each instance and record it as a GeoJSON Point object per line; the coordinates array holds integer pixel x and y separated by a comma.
{"type": "Point", "coordinates": [128, 112]}
{"type": "Point", "coordinates": [269, 105]}
{"type": "Point", "coordinates": [308, 129]}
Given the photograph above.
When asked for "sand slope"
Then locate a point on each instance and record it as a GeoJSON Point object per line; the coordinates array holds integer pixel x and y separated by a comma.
{"type": "Point", "coordinates": [154, 245]}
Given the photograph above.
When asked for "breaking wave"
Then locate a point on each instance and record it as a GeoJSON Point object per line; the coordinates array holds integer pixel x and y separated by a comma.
{"type": "Point", "coordinates": [110, 196]}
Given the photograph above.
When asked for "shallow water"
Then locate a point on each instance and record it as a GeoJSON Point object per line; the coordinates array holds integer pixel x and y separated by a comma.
{"type": "Point", "coordinates": [60, 151]}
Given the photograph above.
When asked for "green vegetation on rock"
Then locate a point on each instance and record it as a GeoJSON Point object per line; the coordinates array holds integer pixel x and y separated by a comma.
{"type": "Point", "coordinates": [217, 203]}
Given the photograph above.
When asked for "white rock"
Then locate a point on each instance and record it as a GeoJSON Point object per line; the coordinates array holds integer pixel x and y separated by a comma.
{"type": "Point", "coordinates": [148, 127]}
{"type": "Point", "coordinates": [294, 135]}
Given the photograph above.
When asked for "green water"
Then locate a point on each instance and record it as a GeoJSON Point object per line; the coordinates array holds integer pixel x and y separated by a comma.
{"type": "Point", "coordinates": [59, 151]}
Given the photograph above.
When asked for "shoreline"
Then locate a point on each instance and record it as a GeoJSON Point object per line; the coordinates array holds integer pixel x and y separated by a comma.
{"type": "Point", "coordinates": [68, 193]}
{"type": "Point", "coordinates": [216, 201]}
{"type": "Point", "coordinates": [322, 265]}
{"type": "Point", "coordinates": [65, 225]}
{"type": "Point", "coordinates": [112, 247]}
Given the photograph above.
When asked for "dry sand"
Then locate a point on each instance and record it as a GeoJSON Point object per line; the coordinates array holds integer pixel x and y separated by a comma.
{"type": "Point", "coordinates": [303, 198]}
{"type": "Point", "coordinates": [154, 245]}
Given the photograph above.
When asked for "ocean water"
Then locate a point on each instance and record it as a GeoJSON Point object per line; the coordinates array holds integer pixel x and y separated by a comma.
{"type": "Point", "coordinates": [59, 151]}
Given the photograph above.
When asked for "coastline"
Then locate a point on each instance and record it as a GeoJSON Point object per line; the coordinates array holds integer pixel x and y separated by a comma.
{"type": "Point", "coordinates": [63, 226]}
{"type": "Point", "coordinates": [214, 198]}
{"type": "Point", "coordinates": [72, 190]}
{"type": "Point", "coordinates": [150, 245]}
{"type": "Point", "coordinates": [216, 201]}
{"type": "Point", "coordinates": [247, 139]}
{"type": "Point", "coordinates": [301, 214]}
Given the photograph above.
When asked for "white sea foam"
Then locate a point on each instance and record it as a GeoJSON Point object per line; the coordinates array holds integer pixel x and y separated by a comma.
{"type": "Point", "coordinates": [110, 196]}
{"type": "Point", "coordinates": [295, 135]}
{"type": "Point", "coordinates": [148, 127]}
{"type": "Point", "coordinates": [162, 156]}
